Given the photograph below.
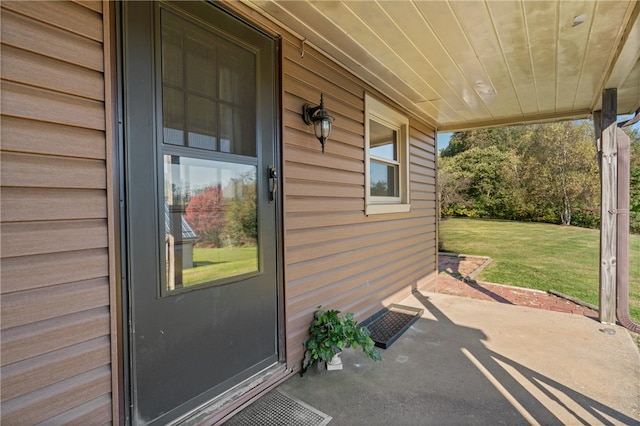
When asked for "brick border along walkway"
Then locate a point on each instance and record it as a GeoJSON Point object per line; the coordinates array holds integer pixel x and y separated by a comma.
{"type": "Point", "coordinates": [455, 277]}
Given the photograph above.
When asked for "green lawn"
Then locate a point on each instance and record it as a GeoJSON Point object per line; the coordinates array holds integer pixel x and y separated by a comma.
{"type": "Point", "coordinates": [215, 263]}
{"type": "Point", "coordinates": [540, 256]}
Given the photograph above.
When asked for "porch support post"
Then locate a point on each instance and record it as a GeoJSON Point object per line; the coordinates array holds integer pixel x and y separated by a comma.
{"type": "Point", "coordinates": [608, 180]}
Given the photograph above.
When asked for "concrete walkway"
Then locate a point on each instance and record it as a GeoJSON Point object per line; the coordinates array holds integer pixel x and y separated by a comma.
{"type": "Point", "coordinates": [470, 361]}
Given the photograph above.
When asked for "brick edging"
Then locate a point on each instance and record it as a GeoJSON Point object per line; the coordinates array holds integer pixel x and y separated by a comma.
{"type": "Point", "coordinates": [475, 272]}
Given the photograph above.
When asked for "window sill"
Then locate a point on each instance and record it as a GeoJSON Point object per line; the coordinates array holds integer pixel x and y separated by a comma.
{"type": "Point", "coordinates": [387, 208]}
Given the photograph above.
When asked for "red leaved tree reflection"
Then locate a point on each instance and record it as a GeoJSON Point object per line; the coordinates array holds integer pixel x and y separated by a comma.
{"type": "Point", "coordinates": [205, 213]}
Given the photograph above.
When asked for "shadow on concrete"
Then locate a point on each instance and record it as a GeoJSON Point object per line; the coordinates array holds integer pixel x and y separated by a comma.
{"type": "Point", "coordinates": [451, 266]}
{"type": "Point", "coordinates": [440, 372]}
{"type": "Point", "coordinates": [530, 406]}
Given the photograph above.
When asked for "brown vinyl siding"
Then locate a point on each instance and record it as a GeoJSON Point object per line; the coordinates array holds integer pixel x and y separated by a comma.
{"type": "Point", "coordinates": [55, 294]}
{"type": "Point", "coordinates": [335, 255]}
{"type": "Point", "coordinates": [58, 259]}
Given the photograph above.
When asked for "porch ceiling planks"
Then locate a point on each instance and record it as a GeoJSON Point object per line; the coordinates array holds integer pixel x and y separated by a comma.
{"type": "Point", "coordinates": [629, 58]}
{"type": "Point", "coordinates": [465, 64]}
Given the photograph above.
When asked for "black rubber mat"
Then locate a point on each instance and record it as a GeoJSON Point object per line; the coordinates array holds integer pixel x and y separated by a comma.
{"type": "Point", "coordinates": [387, 325]}
{"type": "Point", "coordinates": [279, 409]}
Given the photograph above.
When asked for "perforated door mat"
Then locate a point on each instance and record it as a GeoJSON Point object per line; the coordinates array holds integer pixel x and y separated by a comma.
{"type": "Point", "coordinates": [387, 325]}
{"type": "Point", "coordinates": [278, 408]}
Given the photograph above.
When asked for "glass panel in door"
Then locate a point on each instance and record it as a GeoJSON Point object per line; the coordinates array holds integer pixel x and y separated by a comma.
{"type": "Point", "coordinates": [211, 228]}
{"type": "Point", "coordinates": [208, 89]}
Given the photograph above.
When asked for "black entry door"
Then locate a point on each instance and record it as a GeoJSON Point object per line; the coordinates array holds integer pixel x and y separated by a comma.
{"type": "Point", "coordinates": [199, 132]}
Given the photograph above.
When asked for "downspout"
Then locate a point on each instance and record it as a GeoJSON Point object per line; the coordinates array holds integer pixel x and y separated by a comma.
{"type": "Point", "coordinates": [622, 231]}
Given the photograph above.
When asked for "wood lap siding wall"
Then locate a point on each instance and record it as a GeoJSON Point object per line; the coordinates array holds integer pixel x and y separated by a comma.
{"type": "Point", "coordinates": [56, 340]}
{"type": "Point", "coordinates": [335, 255]}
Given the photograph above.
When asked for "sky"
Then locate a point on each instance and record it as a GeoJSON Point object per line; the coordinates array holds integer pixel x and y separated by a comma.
{"type": "Point", "coordinates": [443, 138]}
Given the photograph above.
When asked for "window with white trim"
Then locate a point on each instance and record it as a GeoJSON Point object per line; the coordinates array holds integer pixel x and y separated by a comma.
{"type": "Point", "coordinates": [386, 158]}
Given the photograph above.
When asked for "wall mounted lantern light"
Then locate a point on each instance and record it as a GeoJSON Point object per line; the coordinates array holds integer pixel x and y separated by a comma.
{"type": "Point", "coordinates": [321, 120]}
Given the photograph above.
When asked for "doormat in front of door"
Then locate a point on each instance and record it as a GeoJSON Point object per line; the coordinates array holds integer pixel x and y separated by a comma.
{"type": "Point", "coordinates": [387, 325]}
{"type": "Point", "coordinates": [279, 409]}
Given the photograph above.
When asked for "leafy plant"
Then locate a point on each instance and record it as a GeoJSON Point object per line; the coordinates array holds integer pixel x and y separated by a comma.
{"type": "Point", "coordinates": [330, 333]}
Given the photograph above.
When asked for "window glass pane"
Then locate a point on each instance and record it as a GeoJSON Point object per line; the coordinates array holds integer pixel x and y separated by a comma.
{"type": "Point", "coordinates": [382, 141]}
{"type": "Point", "coordinates": [202, 122]}
{"type": "Point", "coordinates": [173, 115]}
{"type": "Point", "coordinates": [237, 132]}
{"type": "Point", "coordinates": [210, 220]}
{"type": "Point", "coordinates": [383, 180]}
{"type": "Point", "coordinates": [172, 79]}
{"type": "Point", "coordinates": [200, 68]}
{"type": "Point", "coordinates": [171, 56]}
{"type": "Point", "coordinates": [208, 89]}
{"type": "Point", "coordinates": [237, 78]}
{"type": "Point", "coordinates": [238, 99]}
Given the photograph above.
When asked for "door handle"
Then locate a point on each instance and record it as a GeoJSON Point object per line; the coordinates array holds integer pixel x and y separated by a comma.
{"type": "Point", "coordinates": [273, 182]}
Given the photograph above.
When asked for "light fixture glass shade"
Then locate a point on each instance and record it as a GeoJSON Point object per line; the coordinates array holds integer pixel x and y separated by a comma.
{"type": "Point", "coordinates": [322, 128]}
{"type": "Point", "coordinates": [320, 118]}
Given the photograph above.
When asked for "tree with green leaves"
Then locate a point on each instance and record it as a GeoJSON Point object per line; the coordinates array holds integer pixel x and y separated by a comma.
{"type": "Point", "coordinates": [503, 138]}
{"type": "Point", "coordinates": [241, 220]}
{"type": "Point", "coordinates": [634, 218]}
{"type": "Point", "coordinates": [561, 171]}
{"type": "Point", "coordinates": [480, 182]}
{"type": "Point", "coordinates": [544, 172]}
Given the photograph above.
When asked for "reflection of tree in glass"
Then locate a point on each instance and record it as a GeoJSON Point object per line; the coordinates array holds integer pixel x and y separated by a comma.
{"type": "Point", "coordinates": [380, 189]}
{"type": "Point", "coordinates": [241, 222]}
{"type": "Point", "coordinates": [205, 213]}
{"type": "Point", "coordinates": [180, 194]}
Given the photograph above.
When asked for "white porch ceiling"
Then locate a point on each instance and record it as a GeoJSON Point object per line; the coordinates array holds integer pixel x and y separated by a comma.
{"type": "Point", "coordinates": [466, 64]}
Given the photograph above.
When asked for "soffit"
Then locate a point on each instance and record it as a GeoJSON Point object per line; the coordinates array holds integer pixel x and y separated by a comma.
{"type": "Point", "coordinates": [465, 64]}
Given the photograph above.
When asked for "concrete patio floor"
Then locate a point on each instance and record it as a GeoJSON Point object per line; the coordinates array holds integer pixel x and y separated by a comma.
{"type": "Point", "coordinates": [469, 361]}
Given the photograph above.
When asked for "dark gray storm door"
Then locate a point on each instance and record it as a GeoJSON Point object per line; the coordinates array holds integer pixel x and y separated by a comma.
{"type": "Point", "coordinates": [199, 142]}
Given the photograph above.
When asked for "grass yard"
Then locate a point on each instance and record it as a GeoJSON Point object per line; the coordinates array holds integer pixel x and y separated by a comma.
{"type": "Point", "coordinates": [215, 263]}
{"type": "Point", "coordinates": [541, 256]}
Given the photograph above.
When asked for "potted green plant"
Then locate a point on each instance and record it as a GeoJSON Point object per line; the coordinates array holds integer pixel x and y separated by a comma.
{"type": "Point", "coordinates": [330, 333]}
